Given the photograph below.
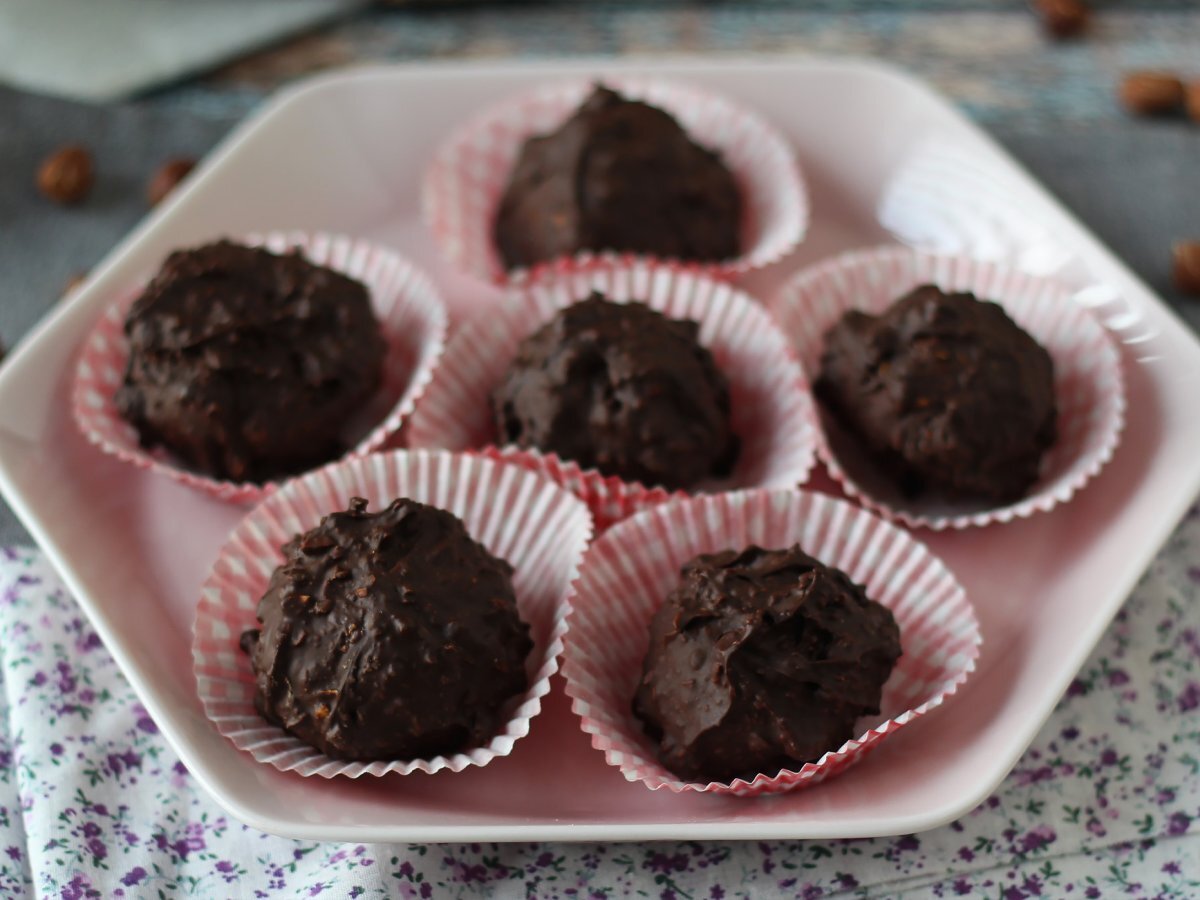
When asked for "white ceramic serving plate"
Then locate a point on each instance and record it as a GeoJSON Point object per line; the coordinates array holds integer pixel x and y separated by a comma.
{"type": "Point", "coordinates": [345, 152]}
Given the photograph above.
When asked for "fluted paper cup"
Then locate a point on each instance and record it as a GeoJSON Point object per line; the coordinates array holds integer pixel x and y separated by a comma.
{"type": "Point", "coordinates": [538, 528]}
{"type": "Point", "coordinates": [772, 412]}
{"type": "Point", "coordinates": [468, 175]}
{"type": "Point", "coordinates": [629, 571]}
{"type": "Point", "coordinates": [1089, 386]}
{"type": "Point", "coordinates": [404, 299]}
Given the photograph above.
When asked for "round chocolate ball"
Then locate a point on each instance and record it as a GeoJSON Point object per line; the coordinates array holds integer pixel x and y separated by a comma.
{"type": "Point", "coordinates": [623, 389]}
{"type": "Point", "coordinates": [618, 175]}
{"type": "Point", "coordinates": [387, 636]}
{"type": "Point", "coordinates": [945, 393]}
{"type": "Point", "coordinates": [761, 660]}
{"type": "Point", "coordinates": [247, 365]}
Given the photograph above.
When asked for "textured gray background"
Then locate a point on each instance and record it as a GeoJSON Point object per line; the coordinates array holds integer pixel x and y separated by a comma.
{"type": "Point", "coordinates": [1136, 183]}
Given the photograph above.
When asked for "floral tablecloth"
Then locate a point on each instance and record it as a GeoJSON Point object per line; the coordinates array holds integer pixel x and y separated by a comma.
{"type": "Point", "coordinates": [1106, 803]}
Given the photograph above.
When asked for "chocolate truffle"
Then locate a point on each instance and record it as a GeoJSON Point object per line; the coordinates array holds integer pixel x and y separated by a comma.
{"type": "Point", "coordinates": [945, 393]}
{"type": "Point", "coordinates": [247, 365]}
{"type": "Point", "coordinates": [618, 175]}
{"type": "Point", "coordinates": [389, 635]}
{"type": "Point", "coordinates": [623, 389]}
{"type": "Point", "coordinates": [761, 660]}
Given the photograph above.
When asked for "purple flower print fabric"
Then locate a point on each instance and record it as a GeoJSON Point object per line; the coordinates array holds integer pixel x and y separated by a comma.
{"type": "Point", "coordinates": [1105, 803]}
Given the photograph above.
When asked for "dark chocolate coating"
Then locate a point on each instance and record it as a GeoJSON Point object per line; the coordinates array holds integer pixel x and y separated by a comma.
{"type": "Point", "coordinates": [761, 660]}
{"type": "Point", "coordinates": [389, 635]}
{"type": "Point", "coordinates": [945, 392]}
{"type": "Point", "coordinates": [247, 365]}
{"type": "Point", "coordinates": [618, 175]}
{"type": "Point", "coordinates": [623, 389]}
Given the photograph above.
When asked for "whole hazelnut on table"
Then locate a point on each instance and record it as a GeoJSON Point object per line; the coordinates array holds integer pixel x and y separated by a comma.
{"type": "Point", "coordinates": [1192, 99]}
{"type": "Point", "coordinates": [1187, 266]}
{"type": "Point", "coordinates": [1062, 18]}
{"type": "Point", "coordinates": [1151, 93]}
{"type": "Point", "coordinates": [74, 283]}
{"type": "Point", "coordinates": [167, 177]}
{"type": "Point", "coordinates": [66, 176]}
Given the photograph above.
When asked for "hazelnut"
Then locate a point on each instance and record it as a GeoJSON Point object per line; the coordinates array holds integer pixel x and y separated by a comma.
{"type": "Point", "coordinates": [1062, 18]}
{"type": "Point", "coordinates": [65, 176]}
{"type": "Point", "coordinates": [73, 283]}
{"type": "Point", "coordinates": [166, 178]}
{"type": "Point", "coordinates": [1187, 266]}
{"type": "Point", "coordinates": [1192, 100]}
{"type": "Point", "coordinates": [1150, 93]}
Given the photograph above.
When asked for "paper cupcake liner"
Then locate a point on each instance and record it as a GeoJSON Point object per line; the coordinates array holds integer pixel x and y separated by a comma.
{"type": "Point", "coordinates": [464, 183]}
{"type": "Point", "coordinates": [629, 571]}
{"type": "Point", "coordinates": [772, 409]}
{"type": "Point", "coordinates": [541, 530]}
{"type": "Point", "coordinates": [1088, 381]}
{"type": "Point", "coordinates": [404, 299]}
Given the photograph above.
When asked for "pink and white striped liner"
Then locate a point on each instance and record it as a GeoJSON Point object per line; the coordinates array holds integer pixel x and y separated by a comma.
{"type": "Point", "coordinates": [772, 408]}
{"type": "Point", "coordinates": [467, 177]}
{"type": "Point", "coordinates": [628, 572]}
{"type": "Point", "coordinates": [404, 299]}
{"type": "Point", "coordinates": [541, 530]}
{"type": "Point", "coordinates": [1089, 383]}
